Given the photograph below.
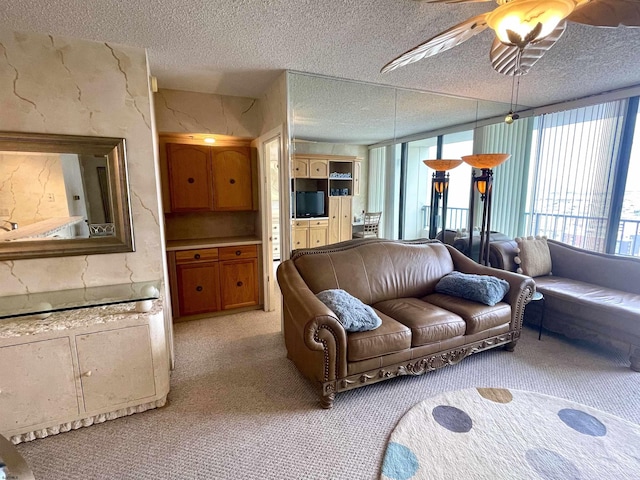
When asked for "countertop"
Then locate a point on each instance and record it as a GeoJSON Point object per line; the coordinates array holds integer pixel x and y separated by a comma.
{"type": "Point", "coordinates": [175, 245]}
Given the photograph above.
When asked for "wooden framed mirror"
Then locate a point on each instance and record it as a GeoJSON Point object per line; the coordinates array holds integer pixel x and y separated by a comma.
{"type": "Point", "coordinates": [63, 195]}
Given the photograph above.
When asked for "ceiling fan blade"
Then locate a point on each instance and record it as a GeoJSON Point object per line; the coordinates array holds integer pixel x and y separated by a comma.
{"type": "Point", "coordinates": [441, 42]}
{"type": "Point", "coordinates": [608, 13]}
{"type": "Point", "coordinates": [504, 58]}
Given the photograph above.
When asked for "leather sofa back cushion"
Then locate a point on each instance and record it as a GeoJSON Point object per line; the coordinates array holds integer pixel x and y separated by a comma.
{"type": "Point", "coordinates": [378, 271]}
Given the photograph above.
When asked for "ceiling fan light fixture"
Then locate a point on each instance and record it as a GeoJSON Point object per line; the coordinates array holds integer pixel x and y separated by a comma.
{"type": "Point", "coordinates": [523, 17]}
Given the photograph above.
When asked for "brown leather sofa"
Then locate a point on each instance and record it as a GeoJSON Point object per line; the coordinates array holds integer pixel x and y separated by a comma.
{"type": "Point", "coordinates": [421, 330]}
{"type": "Point", "coordinates": [590, 296]}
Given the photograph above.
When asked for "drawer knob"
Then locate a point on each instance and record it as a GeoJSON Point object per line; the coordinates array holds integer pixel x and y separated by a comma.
{"type": "Point", "coordinates": [232, 181]}
{"type": "Point", "coordinates": [238, 252]}
{"type": "Point", "coordinates": [239, 284]}
{"type": "Point", "coordinates": [197, 256]}
{"type": "Point", "coordinates": [190, 180]}
{"type": "Point", "coordinates": [198, 288]}
{"type": "Point", "coordinates": [88, 373]}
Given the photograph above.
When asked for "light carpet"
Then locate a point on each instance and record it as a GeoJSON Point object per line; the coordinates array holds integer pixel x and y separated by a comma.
{"type": "Point", "coordinates": [239, 409]}
{"type": "Point", "coordinates": [489, 433]}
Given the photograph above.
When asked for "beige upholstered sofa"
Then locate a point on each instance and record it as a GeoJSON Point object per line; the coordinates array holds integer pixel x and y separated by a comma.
{"type": "Point", "coordinates": [421, 330]}
{"type": "Point", "coordinates": [589, 295]}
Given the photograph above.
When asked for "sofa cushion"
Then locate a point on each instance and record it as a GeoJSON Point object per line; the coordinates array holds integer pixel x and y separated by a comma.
{"type": "Point", "coordinates": [390, 337]}
{"type": "Point", "coordinates": [479, 288]}
{"type": "Point", "coordinates": [428, 323]}
{"type": "Point", "coordinates": [534, 258]}
{"type": "Point", "coordinates": [374, 272]}
{"type": "Point", "coordinates": [478, 317]}
{"type": "Point", "coordinates": [606, 307]}
{"type": "Point", "coordinates": [354, 315]}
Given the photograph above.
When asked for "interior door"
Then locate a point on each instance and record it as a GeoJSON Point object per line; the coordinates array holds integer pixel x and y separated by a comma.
{"type": "Point", "coordinates": [270, 156]}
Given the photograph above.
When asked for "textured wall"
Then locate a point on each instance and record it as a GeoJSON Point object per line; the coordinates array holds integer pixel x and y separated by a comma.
{"type": "Point", "coordinates": [77, 87]}
{"type": "Point", "coordinates": [273, 105]}
{"type": "Point", "coordinates": [191, 112]}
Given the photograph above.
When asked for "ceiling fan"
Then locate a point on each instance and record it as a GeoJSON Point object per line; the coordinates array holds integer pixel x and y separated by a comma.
{"type": "Point", "coordinates": [525, 29]}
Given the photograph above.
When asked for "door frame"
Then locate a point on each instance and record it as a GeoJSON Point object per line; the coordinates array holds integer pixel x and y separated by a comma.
{"type": "Point", "coordinates": [264, 174]}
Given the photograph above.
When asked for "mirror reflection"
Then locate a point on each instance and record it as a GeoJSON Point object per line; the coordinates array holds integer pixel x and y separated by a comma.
{"type": "Point", "coordinates": [54, 196]}
{"type": "Point", "coordinates": [62, 195]}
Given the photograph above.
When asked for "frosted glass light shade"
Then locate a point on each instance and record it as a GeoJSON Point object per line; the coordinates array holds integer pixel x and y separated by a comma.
{"type": "Point", "coordinates": [522, 16]}
{"type": "Point", "coordinates": [441, 165]}
{"type": "Point", "coordinates": [486, 160]}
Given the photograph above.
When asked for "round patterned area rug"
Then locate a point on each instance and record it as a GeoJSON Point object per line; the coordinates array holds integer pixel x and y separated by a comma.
{"type": "Point", "coordinates": [490, 433]}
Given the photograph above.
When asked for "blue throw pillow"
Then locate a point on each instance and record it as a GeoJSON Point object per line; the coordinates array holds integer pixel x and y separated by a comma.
{"type": "Point", "coordinates": [479, 288]}
{"type": "Point", "coordinates": [354, 315]}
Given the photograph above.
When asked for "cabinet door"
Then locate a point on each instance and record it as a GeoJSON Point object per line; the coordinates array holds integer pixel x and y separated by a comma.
{"type": "Point", "coordinates": [300, 237]}
{"type": "Point", "coordinates": [232, 179]}
{"type": "Point", "coordinates": [198, 288]}
{"type": "Point", "coordinates": [318, 236]}
{"type": "Point", "coordinates": [357, 173]}
{"type": "Point", "coordinates": [300, 168]}
{"type": "Point", "coordinates": [116, 367]}
{"type": "Point", "coordinates": [37, 384]}
{"type": "Point", "coordinates": [239, 283]}
{"type": "Point", "coordinates": [345, 218]}
{"type": "Point", "coordinates": [318, 168]}
{"type": "Point", "coordinates": [189, 168]}
{"type": "Point", "coordinates": [334, 220]}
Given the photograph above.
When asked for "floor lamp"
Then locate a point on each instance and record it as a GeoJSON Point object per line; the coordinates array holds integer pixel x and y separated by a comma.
{"type": "Point", "coordinates": [439, 191]}
{"type": "Point", "coordinates": [484, 184]}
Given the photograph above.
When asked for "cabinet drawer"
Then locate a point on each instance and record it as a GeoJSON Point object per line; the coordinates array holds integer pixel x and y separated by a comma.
{"type": "Point", "coordinates": [201, 255]}
{"type": "Point", "coordinates": [300, 223]}
{"type": "Point", "coordinates": [319, 223]}
{"type": "Point", "coordinates": [241, 251]}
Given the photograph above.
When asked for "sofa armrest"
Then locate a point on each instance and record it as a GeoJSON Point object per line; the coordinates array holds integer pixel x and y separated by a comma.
{"type": "Point", "coordinates": [521, 287]}
{"type": "Point", "coordinates": [502, 254]}
{"type": "Point", "coordinates": [310, 326]}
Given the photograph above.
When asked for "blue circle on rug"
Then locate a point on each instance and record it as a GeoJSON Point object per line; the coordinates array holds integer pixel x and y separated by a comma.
{"type": "Point", "coordinates": [582, 422]}
{"type": "Point", "coordinates": [551, 465]}
{"type": "Point", "coordinates": [452, 418]}
{"type": "Point", "coordinates": [400, 463]}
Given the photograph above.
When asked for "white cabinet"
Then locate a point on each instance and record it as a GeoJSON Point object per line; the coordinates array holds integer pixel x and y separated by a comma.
{"type": "Point", "coordinates": [37, 383]}
{"type": "Point", "coordinates": [86, 367]}
{"type": "Point", "coordinates": [116, 367]}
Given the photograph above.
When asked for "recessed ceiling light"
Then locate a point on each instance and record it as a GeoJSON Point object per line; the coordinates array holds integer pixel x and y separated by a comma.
{"type": "Point", "coordinates": [209, 140]}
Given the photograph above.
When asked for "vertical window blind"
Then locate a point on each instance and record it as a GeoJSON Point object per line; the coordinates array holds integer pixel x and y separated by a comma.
{"type": "Point", "coordinates": [574, 156]}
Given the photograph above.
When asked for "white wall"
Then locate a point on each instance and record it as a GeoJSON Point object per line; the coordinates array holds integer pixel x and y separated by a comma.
{"type": "Point", "coordinates": [52, 84]}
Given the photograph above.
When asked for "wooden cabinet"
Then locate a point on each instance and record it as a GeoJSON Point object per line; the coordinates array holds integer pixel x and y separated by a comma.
{"type": "Point", "coordinates": [339, 219]}
{"type": "Point", "coordinates": [239, 276]}
{"type": "Point", "coordinates": [70, 373]}
{"type": "Point", "coordinates": [190, 175]}
{"type": "Point", "coordinates": [300, 236]}
{"type": "Point", "coordinates": [203, 178]}
{"type": "Point", "coordinates": [318, 168]}
{"type": "Point", "coordinates": [211, 279]}
{"type": "Point", "coordinates": [232, 180]}
{"type": "Point", "coordinates": [310, 233]}
{"type": "Point", "coordinates": [357, 174]}
{"type": "Point", "coordinates": [300, 168]}
{"type": "Point", "coordinates": [318, 232]}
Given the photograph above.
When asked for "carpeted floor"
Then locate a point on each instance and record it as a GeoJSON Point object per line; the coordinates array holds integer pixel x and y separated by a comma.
{"type": "Point", "coordinates": [238, 409]}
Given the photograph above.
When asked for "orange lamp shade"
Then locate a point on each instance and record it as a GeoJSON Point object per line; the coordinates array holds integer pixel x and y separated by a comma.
{"type": "Point", "coordinates": [481, 185]}
{"type": "Point", "coordinates": [440, 185]}
{"type": "Point", "coordinates": [486, 160]}
{"type": "Point", "coordinates": [442, 165]}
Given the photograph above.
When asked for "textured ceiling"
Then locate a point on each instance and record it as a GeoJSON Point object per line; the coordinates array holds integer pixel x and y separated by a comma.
{"type": "Point", "coordinates": [238, 47]}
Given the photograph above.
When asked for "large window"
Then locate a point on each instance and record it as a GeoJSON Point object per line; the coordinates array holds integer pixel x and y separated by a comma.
{"type": "Point", "coordinates": [628, 241]}
{"type": "Point", "coordinates": [572, 177]}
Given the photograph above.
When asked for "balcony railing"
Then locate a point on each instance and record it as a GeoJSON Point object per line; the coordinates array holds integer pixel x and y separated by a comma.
{"type": "Point", "coordinates": [457, 218]}
{"type": "Point", "coordinates": [580, 231]}
{"type": "Point", "coordinates": [586, 232]}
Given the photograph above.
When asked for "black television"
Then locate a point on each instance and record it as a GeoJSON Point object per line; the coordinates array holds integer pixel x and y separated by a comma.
{"type": "Point", "coordinates": [309, 204]}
